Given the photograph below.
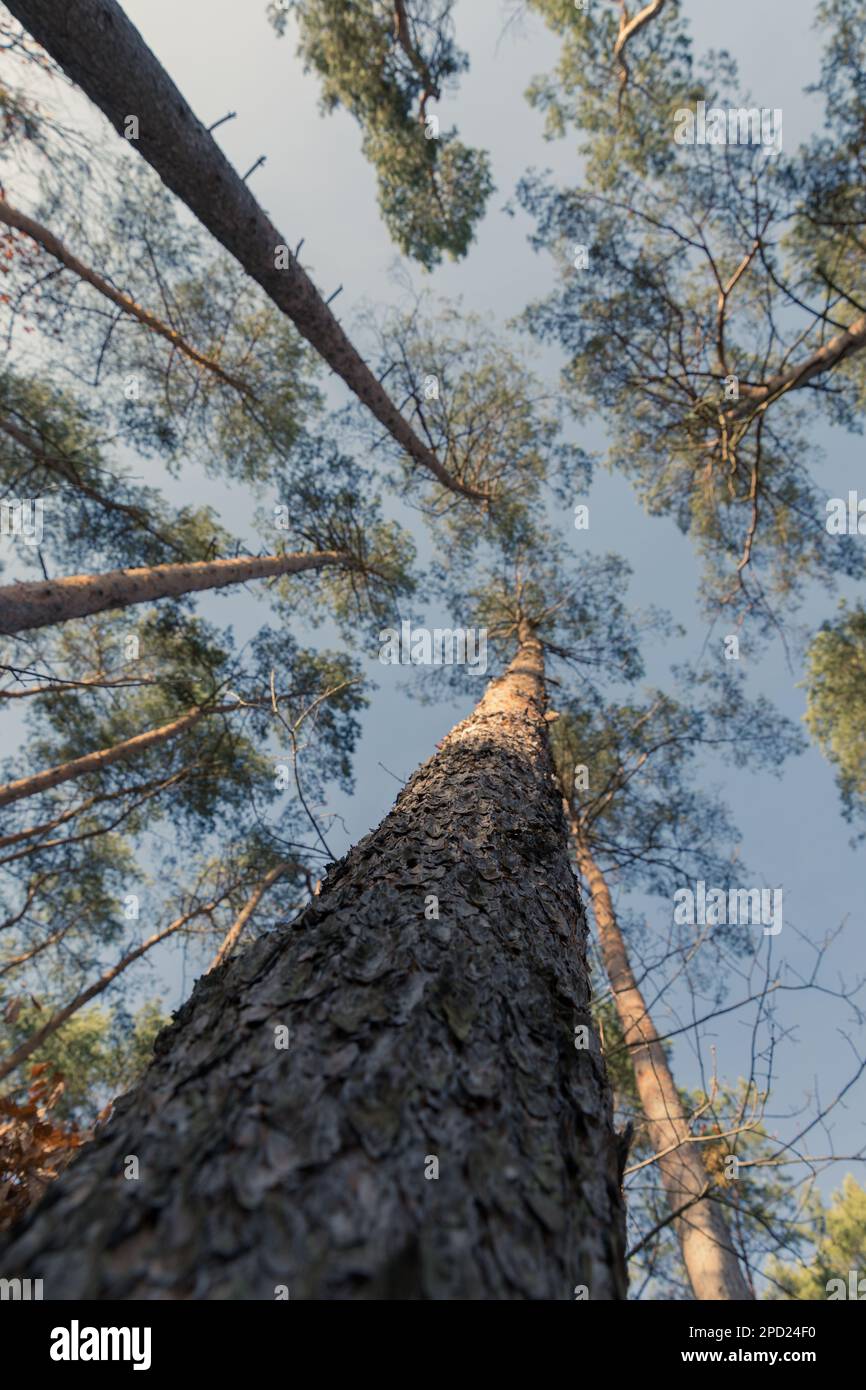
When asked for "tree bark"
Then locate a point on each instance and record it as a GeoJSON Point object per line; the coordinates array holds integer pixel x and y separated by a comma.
{"type": "Point", "coordinates": [44, 602]}
{"type": "Point", "coordinates": [104, 54]}
{"type": "Point", "coordinates": [841, 346]}
{"type": "Point", "coordinates": [412, 1038]}
{"type": "Point", "coordinates": [708, 1253]}
{"type": "Point", "coordinates": [629, 27]}
{"type": "Point", "coordinates": [54, 246]}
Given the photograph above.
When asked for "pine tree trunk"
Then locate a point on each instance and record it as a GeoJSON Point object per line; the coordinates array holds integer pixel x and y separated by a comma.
{"type": "Point", "coordinates": [235, 931]}
{"type": "Point", "coordinates": [708, 1253]}
{"type": "Point", "coordinates": [106, 757]}
{"type": "Point", "coordinates": [44, 602]}
{"type": "Point", "coordinates": [103, 53]}
{"type": "Point", "coordinates": [413, 1040]}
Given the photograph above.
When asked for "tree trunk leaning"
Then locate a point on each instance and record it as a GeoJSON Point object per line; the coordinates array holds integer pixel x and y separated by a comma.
{"type": "Point", "coordinates": [376, 1101]}
{"type": "Point", "coordinates": [708, 1253]}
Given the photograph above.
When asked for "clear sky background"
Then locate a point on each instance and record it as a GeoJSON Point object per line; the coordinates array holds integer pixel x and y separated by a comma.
{"type": "Point", "coordinates": [316, 185]}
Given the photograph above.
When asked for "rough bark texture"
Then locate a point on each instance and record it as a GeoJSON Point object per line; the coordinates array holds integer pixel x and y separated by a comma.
{"type": "Point", "coordinates": [410, 1038]}
{"type": "Point", "coordinates": [44, 602]}
{"type": "Point", "coordinates": [708, 1253]}
{"type": "Point", "coordinates": [104, 54]}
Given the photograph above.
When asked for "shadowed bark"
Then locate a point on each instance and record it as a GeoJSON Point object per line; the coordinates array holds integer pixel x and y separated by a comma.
{"type": "Point", "coordinates": [103, 53]}
{"type": "Point", "coordinates": [412, 1037]}
{"type": "Point", "coordinates": [708, 1252]}
{"type": "Point", "coordinates": [43, 602]}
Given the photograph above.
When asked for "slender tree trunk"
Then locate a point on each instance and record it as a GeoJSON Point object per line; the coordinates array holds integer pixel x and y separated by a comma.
{"type": "Point", "coordinates": [708, 1253]}
{"type": "Point", "coordinates": [233, 934]}
{"type": "Point", "coordinates": [50, 243]}
{"type": "Point", "coordinates": [430, 1130]}
{"type": "Point", "coordinates": [44, 602]}
{"type": "Point", "coordinates": [104, 54]}
{"type": "Point", "coordinates": [106, 757]}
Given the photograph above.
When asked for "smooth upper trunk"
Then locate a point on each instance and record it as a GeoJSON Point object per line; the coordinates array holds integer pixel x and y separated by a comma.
{"type": "Point", "coordinates": [708, 1253]}
{"type": "Point", "coordinates": [44, 602]}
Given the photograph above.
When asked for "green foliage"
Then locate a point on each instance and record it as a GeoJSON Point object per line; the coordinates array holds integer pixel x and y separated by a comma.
{"type": "Point", "coordinates": [623, 125]}
{"type": "Point", "coordinates": [90, 398]}
{"type": "Point", "coordinates": [647, 813]}
{"type": "Point", "coordinates": [197, 820]}
{"type": "Point", "coordinates": [99, 1052]}
{"type": "Point", "coordinates": [332, 503]}
{"type": "Point", "coordinates": [579, 612]}
{"type": "Point", "coordinates": [95, 514]}
{"type": "Point", "coordinates": [827, 236]}
{"type": "Point", "coordinates": [836, 702]}
{"type": "Point", "coordinates": [702, 262]}
{"type": "Point", "coordinates": [383, 61]}
{"type": "Point", "coordinates": [839, 1248]}
{"type": "Point", "coordinates": [140, 389]}
{"type": "Point", "coordinates": [470, 391]}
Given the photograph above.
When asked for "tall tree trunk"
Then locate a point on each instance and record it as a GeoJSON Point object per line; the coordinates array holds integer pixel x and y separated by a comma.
{"type": "Point", "coordinates": [415, 1041]}
{"type": "Point", "coordinates": [44, 602]}
{"type": "Point", "coordinates": [52, 244]}
{"type": "Point", "coordinates": [232, 936]}
{"type": "Point", "coordinates": [104, 54]}
{"type": "Point", "coordinates": [708, 1253]}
